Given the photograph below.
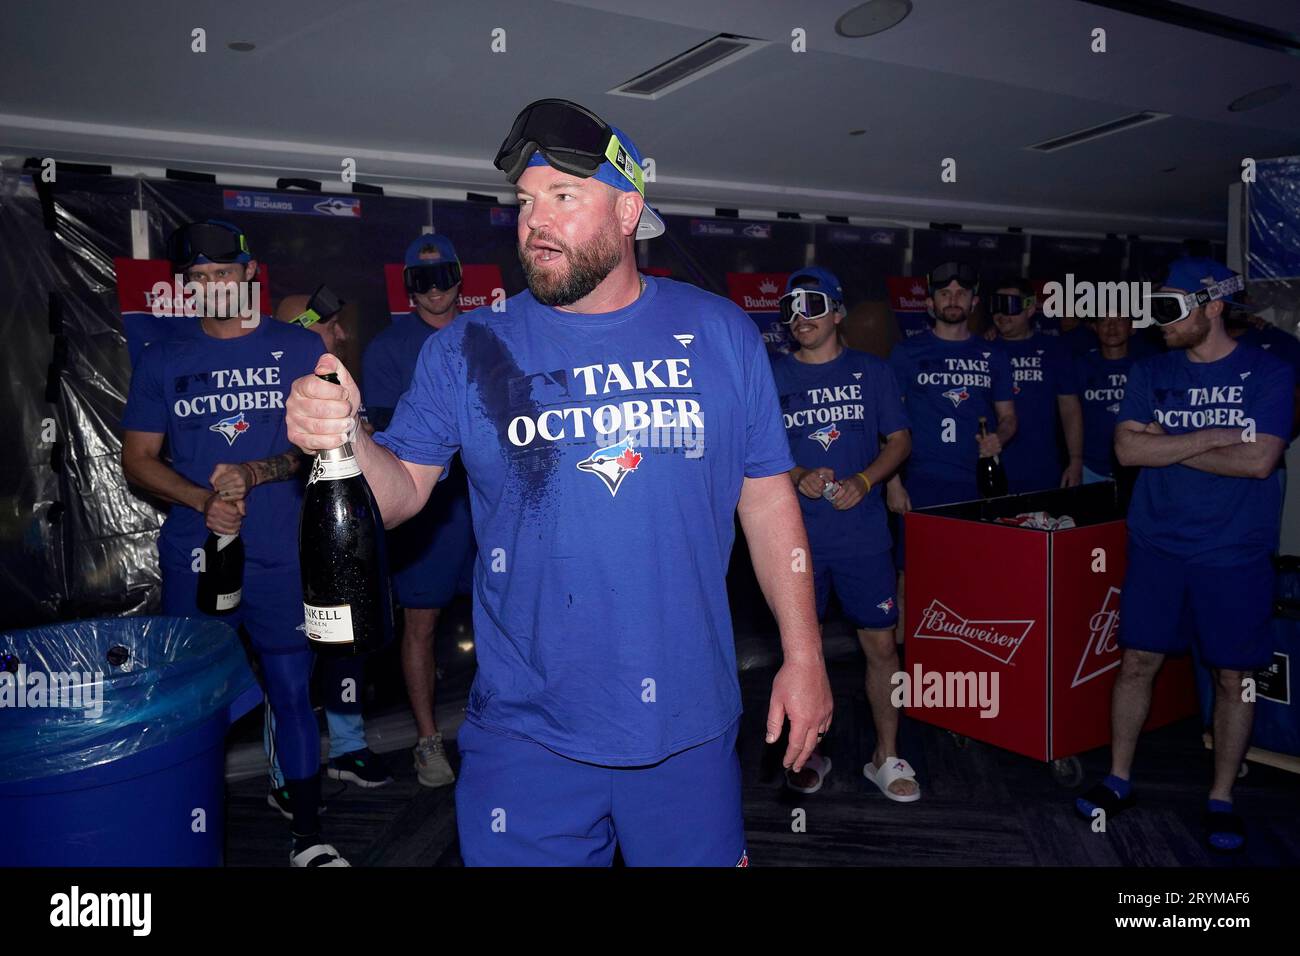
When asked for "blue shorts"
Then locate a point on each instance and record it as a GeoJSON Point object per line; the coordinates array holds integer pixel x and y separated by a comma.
{"type": "Point", "coordinates": [431, 556]}
{"type": "Point", "coordinates": [270, 607]}
{"type": "Point", "coordinates": [519, 804]}
{"type": "Point", "coordinates": [1231, 609]}
{"type": "Point", "coordinates": [865, 584]}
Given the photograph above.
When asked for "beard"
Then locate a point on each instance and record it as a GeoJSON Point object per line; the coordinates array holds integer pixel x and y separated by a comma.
{"type": "Point", "coordinates": [587, 267]}
{"type": "Point", "coordinates": [953, 315]}
{"type": "Point", "coordinates": [1191, 336]}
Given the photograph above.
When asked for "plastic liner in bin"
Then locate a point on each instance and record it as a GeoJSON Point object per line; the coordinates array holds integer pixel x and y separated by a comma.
{"type": "Point", "coordinates": [113, 688]}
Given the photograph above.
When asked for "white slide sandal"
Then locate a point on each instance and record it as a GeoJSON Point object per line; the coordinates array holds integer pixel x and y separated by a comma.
{"type": "Point", "coordinates": [895, 768]}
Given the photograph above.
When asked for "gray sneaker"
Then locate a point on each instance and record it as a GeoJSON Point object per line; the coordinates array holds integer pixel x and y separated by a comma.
{"type": "Point", "coordinates": [431, 765]}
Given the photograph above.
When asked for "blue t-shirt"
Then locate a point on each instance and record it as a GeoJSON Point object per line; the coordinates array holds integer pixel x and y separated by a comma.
{"type": "Point", "coordinates": [1079, 339]}
{"type": "Point", "coordinates": [836, 414]}
{"type": "Point", "coordinates": [947, 388]}
{"type": "Point", "coordinates": [1042, 368]}
{"type": "Point", "coordinates": [1276, 342]}
{"type": "Point", "coordinates": [606, 455]}
{"type": "Point", "coordinates": [1101, 389]}
{"type": "Point", "coordinates": [389, 363]}
{"type": "Point", "coordinates": [222, 401]}
{"type": "Point", "coordinates": [1191, 514]}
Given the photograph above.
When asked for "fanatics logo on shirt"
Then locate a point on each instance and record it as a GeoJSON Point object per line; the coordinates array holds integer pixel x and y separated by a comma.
{"type": "Point", "coordinates": [825, 436]}
{"type": "Point", "coordinates": [230, 428]}
{"type": "Point", "coordinates": [612, 464]}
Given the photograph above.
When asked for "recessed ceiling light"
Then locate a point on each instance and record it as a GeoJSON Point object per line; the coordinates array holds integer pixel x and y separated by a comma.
{"type": "Point", "coordinates": [856, 132]}
{"type": "Point", "coordinates": [872, 17]}
{"type": "Point", "coordinates": [241, 46]}
{"type": "Point", "coordinates": [1257, 98]}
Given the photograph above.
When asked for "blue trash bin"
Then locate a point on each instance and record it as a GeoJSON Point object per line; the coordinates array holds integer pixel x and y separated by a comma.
{"type": "Point", "coordinates": [112, 741]}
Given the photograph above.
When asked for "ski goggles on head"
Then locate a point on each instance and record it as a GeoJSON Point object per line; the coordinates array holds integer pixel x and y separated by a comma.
{"type": "Point", "coordinates": [808, 303]}
{"type": "Point", "coordinates": [571, 137]}
{"type": "Point", "coordinates": [1003, 303]}
{"type": "Point", "coordinates": [433, 275]}
{"type": "Point", "coordinates": [965, 275]}
{"type": "Point", "coordinates": [1166, 308]}
{"type": "Point", "coordinates": [323, 306]}
{"type": "Point", "coordinates": [212, 241]}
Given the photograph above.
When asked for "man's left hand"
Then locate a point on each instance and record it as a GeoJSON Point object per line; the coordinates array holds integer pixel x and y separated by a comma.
{"type": "Point", "coordinates": [852, 490]}
{"type": "Point", "coordinates": [232, 482]}
{"type": "Point", "coordinates": [802, 692]}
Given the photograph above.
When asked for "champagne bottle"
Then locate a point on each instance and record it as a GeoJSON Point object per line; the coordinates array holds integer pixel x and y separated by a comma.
{"type": "Point", "coordinates": [989, 474]}
{"type": "Point", "coordinates": [341, 550]}
{"type": "Point", "coordinates": [221, 582]}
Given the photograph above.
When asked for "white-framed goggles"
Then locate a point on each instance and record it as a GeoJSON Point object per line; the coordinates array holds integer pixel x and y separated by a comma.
{"type": "Point", "coordinates": [805, 303]}
{"type": "Point", "coordinates": [1166, 308]}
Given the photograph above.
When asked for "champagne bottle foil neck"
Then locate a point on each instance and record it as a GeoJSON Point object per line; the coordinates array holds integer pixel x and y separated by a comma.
{"type": "Point", "coordinates": [342, 453]}
{"type": "Point", "coordinates": [224, 539]}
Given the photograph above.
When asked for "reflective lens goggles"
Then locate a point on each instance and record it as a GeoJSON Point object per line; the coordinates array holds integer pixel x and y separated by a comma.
{"type": "Point", "coordinates": [1001, 303]}
{"type": "Point", "coordinates": [1166, 308]}
{"type": "Point", "coordinates": [808, 303]}
{"type": "Point", "coordinates": [965, 275]}
{"type": "Point", "coordinates": [571, 137]}
{"type": "Point", "coordinates": [434, 275]}
{"type": "Point", "coordinates": [322, 307]}
{"type": "Point", "coordinates": [214, 242]}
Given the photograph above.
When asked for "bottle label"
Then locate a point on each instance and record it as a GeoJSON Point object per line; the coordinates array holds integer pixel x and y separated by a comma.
{"type": "Point", "coordinates": [228, 602]}
{"type": "Point", "coordinates": [329, 625]}
{"type": "Point", "coordinates": [324, 470]}
{"type": "Point", "coordinates": [224, 539]}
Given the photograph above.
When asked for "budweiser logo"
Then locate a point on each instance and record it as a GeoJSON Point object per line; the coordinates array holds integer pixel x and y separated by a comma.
{"type": "Point", "coordinates": [1102, 652]}
{"type": "Point", "coordinates": [767, 287]}
{"type": "Point", "coordinates": [998, 639]}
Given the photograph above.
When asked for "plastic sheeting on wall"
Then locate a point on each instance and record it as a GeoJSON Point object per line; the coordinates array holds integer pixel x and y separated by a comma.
{"type": "Point", "coordinates": [1273, 242]}
{"type": "Point", "coordinates": [74, 541]}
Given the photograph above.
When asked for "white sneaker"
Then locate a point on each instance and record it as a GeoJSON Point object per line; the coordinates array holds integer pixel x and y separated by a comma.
{"type": "Point", "coordinates": [318, 854]}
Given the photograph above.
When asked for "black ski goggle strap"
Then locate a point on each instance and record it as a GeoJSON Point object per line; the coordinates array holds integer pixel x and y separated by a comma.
{"type": "Point", "coordinates": [216, 243]}
{"type": "Point", "coordinates": [434, 275]}
{"type": "Point", "coordinates": [1002, 303]}
{"type": "Point", "coordinates": [1166, 308]}
{"type": "Point", "coordinates": [965, 275]}
{"type": "Point", "coordinates": [323, 306]}
{"type": "Point", "coordinates": [571, 137]}
{"type": "Point", "coordinates": [808, 303]}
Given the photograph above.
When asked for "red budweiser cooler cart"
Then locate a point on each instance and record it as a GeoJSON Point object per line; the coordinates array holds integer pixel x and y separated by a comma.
{"type": "Point", "coordinates": [1011, 633]}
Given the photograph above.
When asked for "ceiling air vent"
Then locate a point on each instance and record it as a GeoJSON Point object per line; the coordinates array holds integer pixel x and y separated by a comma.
{"type": "Point", "coordinates": [713, 54]}
{"type": "Point", "coordinates": [1096, 132]}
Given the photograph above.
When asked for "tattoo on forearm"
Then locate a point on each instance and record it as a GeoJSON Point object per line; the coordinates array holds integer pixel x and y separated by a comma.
{"type": "Point", "coordinates": [276, 469]}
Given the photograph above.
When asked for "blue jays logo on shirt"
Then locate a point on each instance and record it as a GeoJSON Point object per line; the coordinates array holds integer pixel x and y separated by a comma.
{"type": "Point", "coordinates": [612, 464]}
{"type": "Point", "coordinates": [957, 395]}
{"type": "Point", "coordinates": [886, 605]}
{"type": "Point", "coordinates": [231, 427]}
{"type": "Point", "coordinates": [825, 436]}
